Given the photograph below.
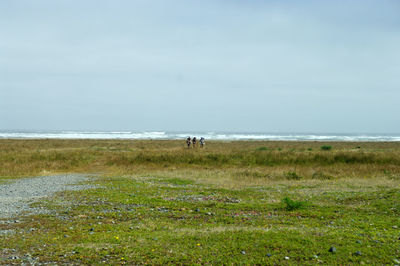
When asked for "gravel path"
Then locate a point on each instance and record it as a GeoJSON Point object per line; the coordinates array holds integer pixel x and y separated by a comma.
{"type": "Point", "coordinates": [16, 196]}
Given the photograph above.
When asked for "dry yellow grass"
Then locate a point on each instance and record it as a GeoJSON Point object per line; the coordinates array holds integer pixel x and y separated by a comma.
{"type": "Point", "coordinates": [225, 164]}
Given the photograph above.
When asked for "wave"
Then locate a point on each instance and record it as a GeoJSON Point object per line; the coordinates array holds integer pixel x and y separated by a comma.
{"type": "Point", "coordinates": [206, 135]}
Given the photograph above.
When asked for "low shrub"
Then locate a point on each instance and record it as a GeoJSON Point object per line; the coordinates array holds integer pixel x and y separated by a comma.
{"type": "Point", "coordinates": [321, 175]}
{"type": "Point", "coordinates": [291, 205]}
{"type": "Point", "coordinates": [326, 147]}
{"type": "Point", "coordinates": [292, 176]}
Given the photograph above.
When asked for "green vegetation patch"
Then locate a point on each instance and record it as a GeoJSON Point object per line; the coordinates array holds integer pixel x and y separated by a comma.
{"type": "Point", "coordinates": [292, 176]}
{"type": "Point", "coordinates": [172, 220]}
{"type": "Point", "coordinates": [291, 205]}
{"type": "Point", "coordinates": [179, 181]}
{"type": "Point", "coordinates": [326, 147]}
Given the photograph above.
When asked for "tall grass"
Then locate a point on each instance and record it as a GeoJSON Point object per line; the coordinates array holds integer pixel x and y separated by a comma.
{"type": "Point", "coordinates": [32, 157]}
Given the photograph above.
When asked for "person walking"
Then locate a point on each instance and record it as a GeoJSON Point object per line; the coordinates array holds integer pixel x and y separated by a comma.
{"type": "Point", "coordinates": [202, 142]}
{"type": "Point", "coordinates": [188, 141]}
{"type": "Point", "coordinates": [194, 141]}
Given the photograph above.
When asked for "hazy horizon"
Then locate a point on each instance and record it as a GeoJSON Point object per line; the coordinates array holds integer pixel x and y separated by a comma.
{"type": "Point", "coordinates": [221, 136]}
{"type": "Point", "coordinates": [186, 66]}
{"type": "Point", "coordinates": [128, 131]}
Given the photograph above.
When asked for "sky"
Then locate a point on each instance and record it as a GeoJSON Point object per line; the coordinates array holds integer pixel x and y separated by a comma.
{"type": "Point", "coordinates": [210, 65]}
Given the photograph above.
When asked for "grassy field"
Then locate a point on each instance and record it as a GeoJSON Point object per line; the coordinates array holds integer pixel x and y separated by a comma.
{"type": "Point", "coordinates": [232, 202]}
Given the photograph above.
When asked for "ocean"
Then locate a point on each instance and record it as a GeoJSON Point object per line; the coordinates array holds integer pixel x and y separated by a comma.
{"type": "Point", "coordinates": [183, 135]}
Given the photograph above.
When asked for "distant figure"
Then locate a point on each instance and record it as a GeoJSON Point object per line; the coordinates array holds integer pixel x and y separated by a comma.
{"type": "Point", "coordinates": [188, 141]}
{"type": "Point", "coordinates": [194, 140]}
{"type": "Point", "coordinates": [202, 142]}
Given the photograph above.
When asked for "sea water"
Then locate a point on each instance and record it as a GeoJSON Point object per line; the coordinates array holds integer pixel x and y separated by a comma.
{"type": "Point", "coordinates": [207, 135]}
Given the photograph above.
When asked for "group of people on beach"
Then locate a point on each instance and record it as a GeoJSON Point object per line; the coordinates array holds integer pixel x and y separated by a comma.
{"type": "Point", "coordinates": [193, 141]}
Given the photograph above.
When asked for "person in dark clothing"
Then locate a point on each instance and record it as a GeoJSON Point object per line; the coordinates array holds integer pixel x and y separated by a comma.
{"type": "Point", "coordinates": [188, 141]}
{"type": "Point", "coordinates": [202, 142]}
{"type": "Point", "coordinates": [194, 141]}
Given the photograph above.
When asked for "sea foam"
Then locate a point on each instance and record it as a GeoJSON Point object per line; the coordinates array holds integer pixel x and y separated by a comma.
{"type": "Point", "coordinates": [207, 135]}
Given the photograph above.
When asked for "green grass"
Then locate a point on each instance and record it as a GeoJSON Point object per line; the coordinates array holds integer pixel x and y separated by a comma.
{"type": "Point", "coordinates": [159, 203]}
{"type": "Point", "coordinates": [326, 147]}
{"type": "Point", "coordinates": [159, 221]}
{"type": "Point", "coordinates": [292, 176]}
{"type": "Point", "coordinates": [291, 205]}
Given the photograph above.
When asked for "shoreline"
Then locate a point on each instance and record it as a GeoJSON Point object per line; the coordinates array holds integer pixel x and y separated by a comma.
{"type": "Point", "coordinates": [214, 136]}
{"type": "Point", "coordinates": [208, 140]}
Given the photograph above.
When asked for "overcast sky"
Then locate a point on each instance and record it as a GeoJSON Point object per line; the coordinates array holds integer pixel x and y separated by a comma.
{"type": "Point", "coordinates": [218, 65]}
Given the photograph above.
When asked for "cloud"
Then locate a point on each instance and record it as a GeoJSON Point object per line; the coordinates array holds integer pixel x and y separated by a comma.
{"type": "Point", "coordinates": [234, 65]}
